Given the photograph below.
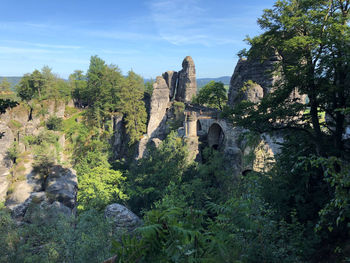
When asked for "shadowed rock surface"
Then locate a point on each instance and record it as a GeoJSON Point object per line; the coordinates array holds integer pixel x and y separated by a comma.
{"type": "Point", "coordinates": [122, 218]}
{"type": "Point", "coordinates": [187, 85]}
{"type": "Point", "coordinates": [159, 105]}
{"type": "Point", "coordinates": [262, 74]}
{"type": "Point", "coordinates": [170, 78]}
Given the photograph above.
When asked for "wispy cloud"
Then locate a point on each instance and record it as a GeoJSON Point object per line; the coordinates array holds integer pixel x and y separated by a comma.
{"type": "Point", "coordinates": [183, 22]}
{"type": "Point", "coordinates": [120, 35]}
{"type": "Point", "coordinates": [40, 45]}
{"type": "Point", "coordinates": [29, 25]}
{"type": "Point", "coordinates": [16, 50]}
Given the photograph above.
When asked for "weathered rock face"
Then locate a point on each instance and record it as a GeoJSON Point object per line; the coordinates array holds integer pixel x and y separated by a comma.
{"type": "Point", "coordinates": [122, 218]}
{"type": "Point", "coordinates": [119, 137]}
{"type": "Point", "coordinates": [187, 86]}
{"type": "Point", "coordinates": [170, 78]}
{"type": "Point", "coordinates": [5, 143]}
{"type": "Point", "coordinates": [58, 191]}
{"type": "Point", "coordinates": [172, 85]}
{"type": "Point", "coordinates": [28, 189]}
{"type": "Point", "coordinates": [62, 185]}
{"type": "Point", "coordinates": [252, 79]}
{"type": "Point", "coordinates": [159, 105]}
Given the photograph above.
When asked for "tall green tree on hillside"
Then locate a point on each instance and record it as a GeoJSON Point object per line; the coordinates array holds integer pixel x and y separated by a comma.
{"type": "Point", "coordinates": [133, 107]}
{"type": "Point", "coordinates": [103, 88]}
{"type": "Point", "coordinates": [78, 85]}
{"type": "Point", "coordinates": [311, 38]}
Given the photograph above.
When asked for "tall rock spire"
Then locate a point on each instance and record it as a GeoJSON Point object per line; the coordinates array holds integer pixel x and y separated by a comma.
{"type": "Point", "coordinates": [187, 85]}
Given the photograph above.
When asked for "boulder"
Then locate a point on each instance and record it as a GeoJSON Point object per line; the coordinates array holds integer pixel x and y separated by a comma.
{"type": "Point", "coordinates": [122, 218]}
{"type": "Point", "coordinates": [59, 208]}
{"type": "Point", "coordinates": [187, 85]}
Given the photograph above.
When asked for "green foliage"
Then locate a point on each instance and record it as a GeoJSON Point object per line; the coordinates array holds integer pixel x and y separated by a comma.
{"type": "Point", "coordinates": [42, 85]}
{"type": "Point", "coordinates": [9, 235]}
{"type": "Point", "coordinates": [149, 87]}
{"type": "Point", "coordinates": [213, 95]}
{"type": "Point", "coordinates": [5, 86]}
{"type": "Point", "coordinates": [309, 176]}
{"type": "Point", "coordinates": [78, 83]}
{"type": "Point", "coordinates": [148, 179]}
{"type": "Point", "coordinates": [107, 93]}
{"type": "Point", "coordinates": [133, 107]}
{"type": "Point", "coordinates": [13, 152]}
{"type": "Point", "coordinates": [99, 187]}
{"type": "Point", "coordinates": [5, 104]}
{"type": "Point", "coordinates": [54, 123]}
{"type": "Point", "coordinates": [178, 108]}
{"type": "Point", "coordinates": [53, 237]}
{"type": "Point", "coordinates": [311, 37]}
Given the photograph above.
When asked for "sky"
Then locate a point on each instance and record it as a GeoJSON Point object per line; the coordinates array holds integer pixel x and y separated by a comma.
{"type": "Point", "coordinates": [146, 36]}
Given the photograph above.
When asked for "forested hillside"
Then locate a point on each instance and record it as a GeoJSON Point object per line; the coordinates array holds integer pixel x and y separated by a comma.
{"type": "Point", "coordinates": [179, 203]}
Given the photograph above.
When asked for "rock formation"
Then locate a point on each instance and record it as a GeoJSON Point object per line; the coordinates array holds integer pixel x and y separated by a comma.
{"type": "Point", "coordinates": [187, 85]}
{"type": "Point", "coordinates": [180, 86]}
{"type": "Point", "coordinates": [122, 218]}
{"type": "Point", "coordinates": [5, 143]}
{"type": "Point", "coordinates": [56, 190]}
{"type": "Point", "coordinates": [170, 78]}
{"type": "Point", "coordinates": [252, 79]}
{"type": "Point", "coordinates": [159, 105]}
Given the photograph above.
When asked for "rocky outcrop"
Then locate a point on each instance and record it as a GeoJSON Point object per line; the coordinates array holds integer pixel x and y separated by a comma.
{"type": "Point", "coordinates": [187, 85]}
{"type": "Point", "coordinates": [159, 105]}
{"type": "Point", "coordinates": [5, 164]}
{"type": "Point", "coordinates": [252, 79]}
{"type": "Point", "coordinates": [58, 191]}
{"type": "Point", "coordinates": [119, 137]}
{"type": "Point", "coordinates": [26, 188]}
{"type": "Point", "coordinates": [170, 78]}
{"type": "Point", "coordinates": [62, 185]}
{"type": "Point", "coordinates": [172, 85]}
{"type": "Point", "coordinates": [122, 218]}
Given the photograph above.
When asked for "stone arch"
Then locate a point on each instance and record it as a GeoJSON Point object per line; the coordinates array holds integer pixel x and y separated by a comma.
{"type": "Point", "coordinates": [216, 136]}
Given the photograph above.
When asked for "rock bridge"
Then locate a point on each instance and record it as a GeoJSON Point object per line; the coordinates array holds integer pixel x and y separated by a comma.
{"type": "Point", "coordinates": [203, 125]}
{"type": "Point", "coordinates": [203, 122]}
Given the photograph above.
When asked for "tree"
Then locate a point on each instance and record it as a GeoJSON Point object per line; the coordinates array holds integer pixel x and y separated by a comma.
{"type": "Point", "coordinates": [212, 95]}
{"type": "Point", "coordinates": [149, 178]}
{"type": "Point", "coordinates": [311, 38]}
{"type": "Point", "coordinates": [78, 85]}
{"type": "Point", "coordinates": [133, 107]}
{"type": "Point", "coordinates": [5, 85]}
{"type": "Point", "coordinates": [100, 187]}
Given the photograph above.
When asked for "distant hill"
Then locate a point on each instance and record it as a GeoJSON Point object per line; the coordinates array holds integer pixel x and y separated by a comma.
{"type": "Point", "coordinates": [13, 80]}
{"type": "Point", "coordinates": [203, 81]}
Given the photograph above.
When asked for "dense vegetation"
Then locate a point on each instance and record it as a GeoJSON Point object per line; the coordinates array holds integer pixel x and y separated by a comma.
{"type": "Point", "coordinates": [298, 210]}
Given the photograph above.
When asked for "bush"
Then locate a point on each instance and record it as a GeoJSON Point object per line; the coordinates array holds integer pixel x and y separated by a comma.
{"type": "Point", "coordinates": [54, 123]}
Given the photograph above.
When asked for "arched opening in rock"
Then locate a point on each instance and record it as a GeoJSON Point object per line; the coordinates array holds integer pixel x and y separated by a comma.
{"type": "Point", "coordinates": [216, 136]}
{"type": "Point", "coordinates": [199, 126]}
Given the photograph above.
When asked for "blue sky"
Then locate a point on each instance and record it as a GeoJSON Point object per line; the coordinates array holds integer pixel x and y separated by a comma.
{"type": "Point", "coordinates": [147, 36]}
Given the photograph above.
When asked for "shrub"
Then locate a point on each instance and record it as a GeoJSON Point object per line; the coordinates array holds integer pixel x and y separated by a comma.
{"type": "Point", "coordinates": [54, 123]}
